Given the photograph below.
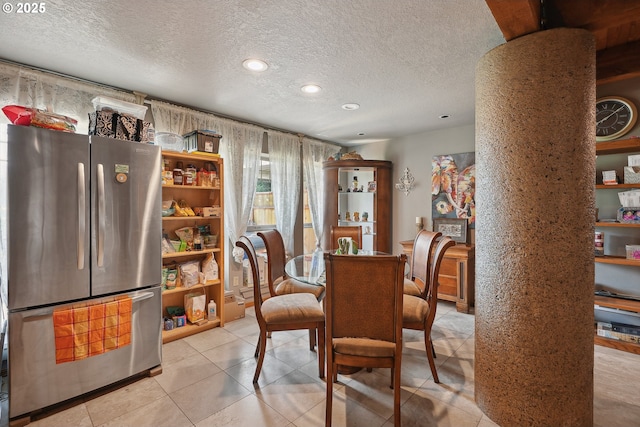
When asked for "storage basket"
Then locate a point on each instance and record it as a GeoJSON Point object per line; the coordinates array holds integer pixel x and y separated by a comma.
{"type": "Point", "coordinates": [629, 215]}
{"type": "Point", "coordinates": [202, 140]}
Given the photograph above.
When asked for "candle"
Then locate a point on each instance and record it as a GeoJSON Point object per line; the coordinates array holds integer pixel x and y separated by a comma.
{"type": "Point", "coordinates": [418, 220]}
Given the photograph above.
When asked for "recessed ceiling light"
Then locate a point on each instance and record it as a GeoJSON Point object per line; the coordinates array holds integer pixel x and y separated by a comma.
{"type": "Point", "coordinates": [311, 88]}
{"type": "Point", "coordinates": [255, 64]}
{"type": "Point", "coordinates": [444, 116]}
{"type": "Point", "coordinates": [350, 106]}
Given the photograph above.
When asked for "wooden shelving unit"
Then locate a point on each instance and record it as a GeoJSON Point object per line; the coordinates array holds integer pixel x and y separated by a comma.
{"type": "Point", "coordinates": [338, 175]}
{"type": "Point", "coordinates": [623, 146]}
{"type": "Point", "coordinates": [195, 196]}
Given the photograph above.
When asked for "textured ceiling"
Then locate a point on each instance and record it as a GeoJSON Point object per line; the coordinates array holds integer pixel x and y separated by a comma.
{"type": "Point", "coordinates": [405, 62]}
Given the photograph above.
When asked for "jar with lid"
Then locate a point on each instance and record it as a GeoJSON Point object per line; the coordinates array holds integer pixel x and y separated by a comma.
{"type": "Point", "coordinates": [190, 175]}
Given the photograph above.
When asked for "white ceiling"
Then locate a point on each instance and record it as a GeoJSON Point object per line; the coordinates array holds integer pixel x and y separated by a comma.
{"type": "Point", "coordinates": [405, 62]}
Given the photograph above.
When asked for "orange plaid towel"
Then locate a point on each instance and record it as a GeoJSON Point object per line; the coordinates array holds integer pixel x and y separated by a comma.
{"type": "Point", "coordinates": [81, 332]}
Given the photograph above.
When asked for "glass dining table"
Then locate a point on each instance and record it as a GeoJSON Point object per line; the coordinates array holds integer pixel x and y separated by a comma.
{"type": "Point", "coordinates": [309, 268]}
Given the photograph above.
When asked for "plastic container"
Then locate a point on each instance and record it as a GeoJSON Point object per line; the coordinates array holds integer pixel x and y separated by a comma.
{"type": "Point", "coordinates": [633, 252]}
{"type": "Point", "coordinates": [123, 107]}
{"type": "Point", "coordinates": [170, 141]}
{"type": "Point", "coordinates": [212, 311]}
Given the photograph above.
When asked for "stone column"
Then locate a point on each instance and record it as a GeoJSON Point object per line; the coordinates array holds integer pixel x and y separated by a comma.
{"type": "Point", "coordinates": [535, 142]}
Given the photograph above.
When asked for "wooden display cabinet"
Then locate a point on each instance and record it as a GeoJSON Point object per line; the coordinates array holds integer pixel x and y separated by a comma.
{"type": "Point", "coordinates": [624, 146]}
{"type": "Point", "coordinates": [457, 274]}
{"type": "Point", "coordinates": [195, 196]}
{"type": "Point", "coordinates": [374, 176]}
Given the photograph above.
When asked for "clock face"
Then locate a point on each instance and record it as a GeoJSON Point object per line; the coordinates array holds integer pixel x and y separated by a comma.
{"type": "Point", "coordinates": [615, 116]}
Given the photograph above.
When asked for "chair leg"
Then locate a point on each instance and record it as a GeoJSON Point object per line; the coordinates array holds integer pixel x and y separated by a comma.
{"type": "Point", "coordinates": [263, 348]}
{"type": "Point", "coordinates": [430, 355]}
{"type": "Point", "coordinates": [329, 382]}
{"type": "Point", "coordinates": [397, 416]}
{"type": "Point", "coordinates": [321, 349]}
{"type": "Point", "coordinates": [255, 354]}
{"type": "Point", "coordinates": [312, 339]}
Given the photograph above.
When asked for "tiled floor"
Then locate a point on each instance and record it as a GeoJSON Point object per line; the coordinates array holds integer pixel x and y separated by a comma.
{"type": "Point", "coordinates": [206, 381]}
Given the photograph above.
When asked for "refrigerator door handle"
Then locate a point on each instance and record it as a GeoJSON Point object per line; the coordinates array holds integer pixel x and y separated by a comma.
{"type": "Point", "coordinates": [81, 216]}
{"type": "Point", "coordinates": [48, 313]}
{"type": "Point", "coordinates": [101, 215]}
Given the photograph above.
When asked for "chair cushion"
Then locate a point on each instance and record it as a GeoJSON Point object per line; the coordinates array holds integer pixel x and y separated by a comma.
{"type": "Point", "coordinates": [293, 286]}
{"type": "Point", "coordinates": [364, 347]}
{"type": "Point", "coordinates": [414, 309]}
{"type": "Point", "coordinates": [290, 308]}
{"type": "Point", "coordinates": [410, 288]}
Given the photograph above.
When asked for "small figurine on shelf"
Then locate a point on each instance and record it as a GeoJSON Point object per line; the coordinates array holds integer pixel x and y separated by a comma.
{"type": "Point", "coordinates": [365, 216]}
{"type": "Point", "coordinates": [361, 189]}
{"type": "Point", "coordinates": [356, 216]}
{"type": "Point", "coordinates": [355, 183]}
{"type": "Point", "coordinates": [339, 188]}
{"type": "Point", "coordinates": [347, 216]}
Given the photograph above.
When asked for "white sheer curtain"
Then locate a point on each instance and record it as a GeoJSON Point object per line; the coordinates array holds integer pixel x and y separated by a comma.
{"type": "Point", "coordinates": [241, 150]}
{"type": "Point", "coordinates": [173, 118]}
{"type": "Point", "coordinates": [284, 157]}
{"type": "Point", "coordinates": [315, 152]}
{"type": "Point", "coordinates": [35, 89]}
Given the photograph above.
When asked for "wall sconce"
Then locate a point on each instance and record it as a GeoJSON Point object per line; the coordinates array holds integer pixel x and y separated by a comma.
{"type": "Point", "coordinates": [406, 182]}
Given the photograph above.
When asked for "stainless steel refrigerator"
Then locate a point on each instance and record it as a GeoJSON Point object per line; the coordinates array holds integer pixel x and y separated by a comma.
{"type": "Point", "coordinates": [84, 228]}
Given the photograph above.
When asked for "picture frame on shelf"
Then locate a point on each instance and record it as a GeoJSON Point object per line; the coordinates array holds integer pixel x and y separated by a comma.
{"type": "Point", "coordinates": [456, 228]}
{"type": "Point", "coordinates": [371, 187]}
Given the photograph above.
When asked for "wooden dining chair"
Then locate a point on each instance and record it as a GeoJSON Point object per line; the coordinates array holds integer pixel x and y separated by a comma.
{"type": "Point", "coordinates": [366, 334]}
{"type": "Point", "coordinates": [283, 313]}
{"type": "Point", "coordinates": [279, 282]}
{"type": "Point", "coordinates": [277, 279]}
{"type": "Point", "coordinates": [418, 312]}
{"type": "Point", "coordinates": [353, 231]}
{"type": "Point", "coordinates": [420, 262]}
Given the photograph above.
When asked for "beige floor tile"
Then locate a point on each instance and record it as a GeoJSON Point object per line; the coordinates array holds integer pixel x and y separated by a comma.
{"type": "Point", "coordinates": [77, 416]}
{"type": "Point", "coordinates": [159, 413]}
{"type": "Point", "coordinates": [249, 411]}
{"type": "Point", "coordinates": [212, 394]}
{"type": "Point", "coordinates": [186, 372]}
{"type": "Point", "coordinates": [176, 351]}
{"type": "Point", "coordinates": [123, 400]}
{"type": "Point", "coordinates": [230, 354]}
{"type": "Point", "coordinates": [272, 370]}
{"type": "Point", "coordinates": [295, 353]}
{"type": "Point", "coordinates": [423, 410]}
{"type": "Point", "coordinates": [293, 394]}
{"type": "Point", "coordinates": [210, 339]}
{"type": "Point", "coordinates": [346, 412]}
{"type": "Point", "coordinates": [372, 390]}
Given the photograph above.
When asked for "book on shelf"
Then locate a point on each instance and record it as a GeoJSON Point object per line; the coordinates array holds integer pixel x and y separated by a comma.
{"type": "Point", "coordinates": [606, 329]}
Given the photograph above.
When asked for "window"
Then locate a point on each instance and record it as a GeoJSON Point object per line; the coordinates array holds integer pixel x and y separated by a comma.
{"type": "Point", "coordinates": [263, 212]}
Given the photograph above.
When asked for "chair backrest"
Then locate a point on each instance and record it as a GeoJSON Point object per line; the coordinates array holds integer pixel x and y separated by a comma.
{"type": "Point", "coordinates": [432, 290]}
{"type": "Point", "coordinates": [338, 231]}
{"type": "Point", "coordinates": [276, 257]}
{"type": "Point", "coordinates": [364, 296]}
{"type": "Point", "coordinates": [421, 258]}
{"type": "Point", "coordinates": [244, 243]}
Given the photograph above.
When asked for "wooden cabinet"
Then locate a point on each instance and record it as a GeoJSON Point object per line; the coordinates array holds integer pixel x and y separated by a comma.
{"type": "Point", "coordinates": [616, 236]}
{"type": "Point", "coordinates": [195, 196]}
{"type": "Point", "coordinates": [343, 206]}
{"type": "Point", "coordinates": [457, 274]}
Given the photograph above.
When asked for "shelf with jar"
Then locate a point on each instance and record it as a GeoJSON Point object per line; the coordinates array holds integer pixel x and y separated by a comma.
{"type": "Point", "coordinates": [193, 237]}
{"type": "Point", "coordinates": [617, 234]}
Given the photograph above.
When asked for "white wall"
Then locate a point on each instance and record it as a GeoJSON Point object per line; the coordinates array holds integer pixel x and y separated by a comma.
{"type": "Point", "coordinates": [415, 152]}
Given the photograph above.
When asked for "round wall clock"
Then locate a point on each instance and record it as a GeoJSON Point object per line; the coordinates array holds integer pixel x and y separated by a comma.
{"type": "Point", "coordinates": [615, 116]}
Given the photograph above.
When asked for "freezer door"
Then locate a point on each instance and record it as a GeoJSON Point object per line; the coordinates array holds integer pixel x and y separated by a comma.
{"type": "Point", "coordinates": [37, 381]}
{"type": "Point", "coordinates": [48, 219]}
{"type": "Point", "coordinates": [126, 198]}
